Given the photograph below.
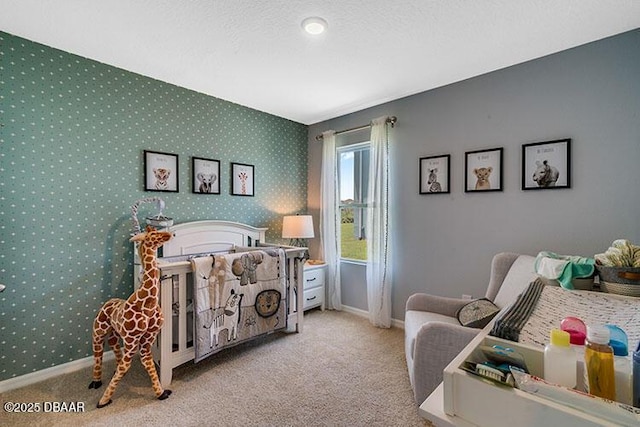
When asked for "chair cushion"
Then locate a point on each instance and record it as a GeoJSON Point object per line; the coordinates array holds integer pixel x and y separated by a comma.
{"type": "Point", "coordinates": [477, 314]}
{"type": "Point", "coordinates": [413, 321]}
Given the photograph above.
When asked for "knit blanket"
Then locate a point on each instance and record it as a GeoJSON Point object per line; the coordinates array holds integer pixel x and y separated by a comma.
{"type": "Point", "coordinates": [237, 297]}
{"type": "Point", "coordinates": [541, 308]}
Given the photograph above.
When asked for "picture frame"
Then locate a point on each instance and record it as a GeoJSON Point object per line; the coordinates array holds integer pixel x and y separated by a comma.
{"type": "Point", "coordinates": [161, 172]}
{"type": "Point", "coordinates": [242, 179]}
{"type": "Point", "coordinates": [483, 170]}
{"type": "Point", "coordinates": [546, 165]}
{"type": "Point", "coordinates": [205, 176]}
{"type": "Point", "coordinates": [435, 174]}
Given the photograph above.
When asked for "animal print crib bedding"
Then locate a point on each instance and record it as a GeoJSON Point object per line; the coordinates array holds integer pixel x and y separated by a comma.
{"type": "Point", "coordinates": [237, 297]}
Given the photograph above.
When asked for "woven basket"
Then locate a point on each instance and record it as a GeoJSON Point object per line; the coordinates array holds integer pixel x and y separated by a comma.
{"type": "Point", "coordinates": [620, 289]}
{"type": "Point", "coordinates": [625, 275]}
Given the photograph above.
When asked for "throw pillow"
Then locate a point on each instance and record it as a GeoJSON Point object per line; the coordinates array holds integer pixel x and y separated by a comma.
{"type": "Point", "coordinates": [477, 313]}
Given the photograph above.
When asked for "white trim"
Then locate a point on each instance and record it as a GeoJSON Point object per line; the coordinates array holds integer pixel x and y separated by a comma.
{"type": "Point", "coordinates": [54, 371]}
{"type": "Point", "coordinates": [353, 261]}
{"type": "Point", "coordinates": [363, 313]}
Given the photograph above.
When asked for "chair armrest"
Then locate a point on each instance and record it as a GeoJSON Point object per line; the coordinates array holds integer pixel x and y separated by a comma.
{"type": "Point", "coordinates": [435, 304]}
{"type": "Point", "coordinates": [437, 344]}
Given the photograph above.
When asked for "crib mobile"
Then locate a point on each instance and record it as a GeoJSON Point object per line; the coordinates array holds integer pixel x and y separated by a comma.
{"type": "Point", "coordinates": [138, 319]}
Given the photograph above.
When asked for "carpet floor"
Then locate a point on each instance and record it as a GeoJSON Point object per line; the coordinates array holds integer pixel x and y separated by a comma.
{"type": "Point", "coordinates": [340, 371]}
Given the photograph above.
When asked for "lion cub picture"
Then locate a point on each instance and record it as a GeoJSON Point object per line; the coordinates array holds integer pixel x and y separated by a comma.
{"type": "Point", "coordinates": [482, 175]}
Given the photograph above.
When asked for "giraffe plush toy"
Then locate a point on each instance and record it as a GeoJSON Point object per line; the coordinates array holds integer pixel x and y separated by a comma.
{"type": "Point", "coordinates": [136, 321]}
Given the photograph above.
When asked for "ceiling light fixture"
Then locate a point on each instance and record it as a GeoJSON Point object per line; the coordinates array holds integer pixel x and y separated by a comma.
{"type": "Point", "coordinates": [314, 25]}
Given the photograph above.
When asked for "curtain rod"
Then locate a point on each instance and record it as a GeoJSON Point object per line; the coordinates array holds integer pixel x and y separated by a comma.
{"type": "Point", "coordinates": [391, 120]}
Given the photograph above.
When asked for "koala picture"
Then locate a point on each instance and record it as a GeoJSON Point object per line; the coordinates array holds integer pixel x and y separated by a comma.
{"type": "Point", "coordinates": [206, 182]}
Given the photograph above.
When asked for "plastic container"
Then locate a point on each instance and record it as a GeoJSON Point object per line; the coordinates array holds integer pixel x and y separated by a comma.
{"type": "Point", "coordinates": [577, 336]}
{"type": "Point", "coordinates": [636, 377]}
{"type": "Point", "coordinates": [598, 360]}
{"type": "Point", "coordinates": [560, 362]}
{"type": "Point", "coordinates": [621, 364]}
{"type": "Point", "coordinates": [576, 328]}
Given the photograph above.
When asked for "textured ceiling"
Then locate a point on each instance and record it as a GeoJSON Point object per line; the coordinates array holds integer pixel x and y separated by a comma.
{"type": "Point", "coordinates": [254, 52]}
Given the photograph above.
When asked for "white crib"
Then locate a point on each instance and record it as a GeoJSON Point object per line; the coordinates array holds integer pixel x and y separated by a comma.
{"type": "Point", "coordinates": [175, 343]}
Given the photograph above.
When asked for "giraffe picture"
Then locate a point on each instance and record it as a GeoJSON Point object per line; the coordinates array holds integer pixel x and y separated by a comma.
{"type": "Point", "coordinates": [242, 179]}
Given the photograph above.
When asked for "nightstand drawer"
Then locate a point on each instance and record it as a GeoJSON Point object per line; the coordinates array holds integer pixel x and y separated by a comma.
{"type": "Point", "coordinates": [313, 298]}
{"type": "Point", "coordinates": [313, 278]}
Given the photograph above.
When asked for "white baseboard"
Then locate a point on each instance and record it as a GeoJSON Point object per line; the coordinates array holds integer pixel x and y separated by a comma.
{"type": "Point", "coordinates": [54, 371]}
{"type": "Point", "coordinates": [362, 313]}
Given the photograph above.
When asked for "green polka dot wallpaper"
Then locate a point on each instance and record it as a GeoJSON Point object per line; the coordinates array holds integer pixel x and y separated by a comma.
{"type": "Point", "coordinates": [72, 136]}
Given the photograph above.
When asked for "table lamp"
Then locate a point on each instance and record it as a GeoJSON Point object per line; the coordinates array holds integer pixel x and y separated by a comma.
{"type": "Point", "coordinates": [296, 228]}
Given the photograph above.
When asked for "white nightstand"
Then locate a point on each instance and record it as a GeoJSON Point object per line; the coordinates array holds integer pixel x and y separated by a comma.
{"type": "Point", "coordinates": [314, 279]}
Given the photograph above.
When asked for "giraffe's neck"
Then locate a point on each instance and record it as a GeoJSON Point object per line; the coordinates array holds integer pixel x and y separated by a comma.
{"type": "Point", "coordinates": [147, 293]}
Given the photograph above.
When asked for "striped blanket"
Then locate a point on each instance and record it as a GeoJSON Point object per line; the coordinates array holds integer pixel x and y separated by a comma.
{"type": "Point", "coordinates": [541, 308]}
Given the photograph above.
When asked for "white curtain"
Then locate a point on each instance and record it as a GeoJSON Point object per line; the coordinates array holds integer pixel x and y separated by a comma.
{"type": "Point", "coordinates": [330, 219]}
{"type": "Point", "coordinates": [377, 227]}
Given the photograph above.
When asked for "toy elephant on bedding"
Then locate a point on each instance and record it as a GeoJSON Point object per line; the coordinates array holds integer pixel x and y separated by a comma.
{"type": "Point", "coordinates": [245, 267]}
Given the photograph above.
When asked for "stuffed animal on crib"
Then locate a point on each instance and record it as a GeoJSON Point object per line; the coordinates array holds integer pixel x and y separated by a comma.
{"type": "Point", "coordinates": [136, 320]}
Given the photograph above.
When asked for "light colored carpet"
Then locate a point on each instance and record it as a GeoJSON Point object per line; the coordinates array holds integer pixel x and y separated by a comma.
{"type": "Point", "coordinates": [340, 371]}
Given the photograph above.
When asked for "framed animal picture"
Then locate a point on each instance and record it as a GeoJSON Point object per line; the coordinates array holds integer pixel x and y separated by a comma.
{"type": "Point", "coordinates": [242, 179]}
{"type": "Point", "coordinates": [434, 174]}
{"type": "Point", "coordinates": [483, 170]}
{"type": "Point", "coordinates": [160, 171]}
{"type": "Point", "coordinates": [205, 178]}
{"type": "Point", "coordinates": [546, 165]}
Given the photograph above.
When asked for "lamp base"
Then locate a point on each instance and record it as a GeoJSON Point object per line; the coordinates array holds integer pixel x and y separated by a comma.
{"type": "Point", "coordinates": [300, 243]}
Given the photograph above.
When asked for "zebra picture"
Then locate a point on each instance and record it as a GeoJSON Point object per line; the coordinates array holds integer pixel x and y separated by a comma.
{"type": "Point", "coordinates": [434, 174]}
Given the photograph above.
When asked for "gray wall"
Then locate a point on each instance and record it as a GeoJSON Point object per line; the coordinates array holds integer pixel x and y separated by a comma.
{"type": "Point", "coordinates": [443, 244]}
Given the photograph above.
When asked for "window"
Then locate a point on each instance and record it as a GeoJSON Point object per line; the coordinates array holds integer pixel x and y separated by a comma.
{"type": "Point", "coordinates": [353, 181]}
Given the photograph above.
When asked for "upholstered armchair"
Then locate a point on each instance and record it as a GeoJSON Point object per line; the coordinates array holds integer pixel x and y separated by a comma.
{"type": "Point", "coordinates": [433, 334]}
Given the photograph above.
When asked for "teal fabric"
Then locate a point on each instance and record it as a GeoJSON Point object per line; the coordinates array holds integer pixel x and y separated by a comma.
{"type": "Point", "coordinates": [571, 267]}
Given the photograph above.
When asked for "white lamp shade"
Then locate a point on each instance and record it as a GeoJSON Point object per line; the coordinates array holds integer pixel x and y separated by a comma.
{"type": "Point", "coordinates": [297, 227]}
